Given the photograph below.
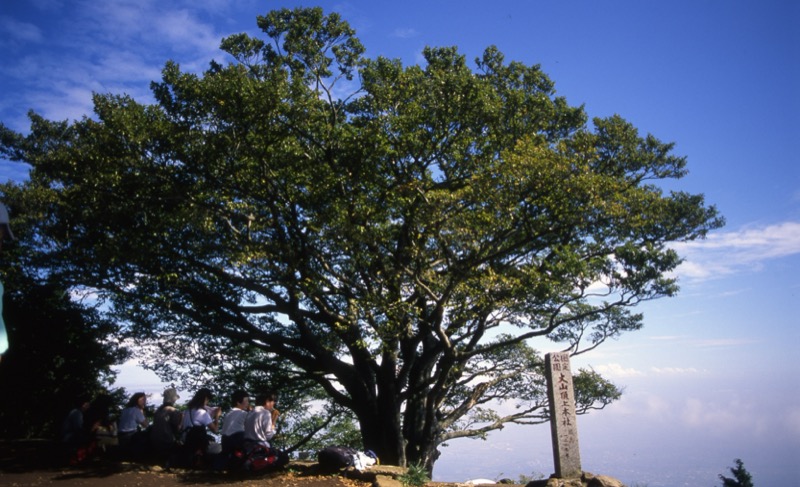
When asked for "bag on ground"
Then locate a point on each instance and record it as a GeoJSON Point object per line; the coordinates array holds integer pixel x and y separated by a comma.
{"type": "Point", "coordinates": [336, 457]}
{"type": "Point", "coordinates": [259, 458]}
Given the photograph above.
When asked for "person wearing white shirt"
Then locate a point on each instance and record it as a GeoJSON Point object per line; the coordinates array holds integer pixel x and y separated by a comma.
{"type": "Point", "coordinates": [199, 416]}
{"type": "Point", "coordinates": [259, 430]}
{"type": "Point", "coordinates": [259, 426]}
{"type": "Point", "coordinates": [233, 422]}
{"type": "Point", "coordinates": [233, 431]}
{"type": "Point", "coordinates": [132, 419]}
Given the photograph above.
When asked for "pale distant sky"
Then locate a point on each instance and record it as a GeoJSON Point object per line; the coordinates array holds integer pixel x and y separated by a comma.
{"type": "Point", "coordinates": [713, 376]}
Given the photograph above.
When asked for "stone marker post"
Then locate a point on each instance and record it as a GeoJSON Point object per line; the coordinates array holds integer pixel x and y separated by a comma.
{"type": "Point", "coordinates": [563, 424]}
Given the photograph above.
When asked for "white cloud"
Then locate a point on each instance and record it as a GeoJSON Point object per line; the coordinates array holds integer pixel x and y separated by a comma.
{"type": "Point", "coordinates": [153, 30]}
{"type": "Point", "coordinates": [646, 407]}
{"type": "Point", "coordinates": [185, 32]}
{"type": "Point", "coordinates": [134, 378]}
{"type": "Point", "coordinates": [617, 371]}
{"type": "Point", "coordinates": [17, 31]}
{"type": "Point", "coordinates": [725, 253]}
{"type": "Point", "coordinates": [64, 102]}
{"type": "Point", "coordinates": [656, 406]}
{"type": "Point", "coordinates": [118, 46]}
{"type": "Point", "coordinates": [734, 416]}
{"type": "Point", "coordinates": [701, 414]}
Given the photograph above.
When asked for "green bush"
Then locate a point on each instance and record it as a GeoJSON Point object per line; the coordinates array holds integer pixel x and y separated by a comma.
{"type": "Point", "coordinates": [416, 476]}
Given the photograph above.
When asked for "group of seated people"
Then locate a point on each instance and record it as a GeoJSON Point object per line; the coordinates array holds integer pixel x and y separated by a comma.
{"type": "Point", "coordinates": [181, 437]}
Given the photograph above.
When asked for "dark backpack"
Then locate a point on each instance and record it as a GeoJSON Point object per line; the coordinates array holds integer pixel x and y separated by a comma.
{"type": "Point", "coordinates": [336, 457]}
{"type": "Point", "coordinates": [196, 439]}
{"type": "Point", "coordinates": [256, 458]}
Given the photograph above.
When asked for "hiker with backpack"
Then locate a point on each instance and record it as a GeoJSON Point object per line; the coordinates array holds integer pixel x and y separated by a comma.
{"type": "Point", "coordinates": [166, 426]}
{"type": "Point", "coordinates": [198, 419]}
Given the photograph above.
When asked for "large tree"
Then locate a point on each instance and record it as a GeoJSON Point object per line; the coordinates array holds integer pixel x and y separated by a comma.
{"type": "Point", "coordinates": [397, 234]}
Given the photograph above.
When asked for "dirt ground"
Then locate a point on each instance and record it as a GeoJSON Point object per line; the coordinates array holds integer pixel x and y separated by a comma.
{"type": "Point", "coordinates": [37, 463]}
{"type": "Point", "coordinates": [90, 477]}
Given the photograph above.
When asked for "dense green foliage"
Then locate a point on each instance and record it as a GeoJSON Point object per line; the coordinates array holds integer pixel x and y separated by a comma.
{"type": "Point", "coordinates": [397, 235]}
{"type": "Point", "coordinates": [59, 349]}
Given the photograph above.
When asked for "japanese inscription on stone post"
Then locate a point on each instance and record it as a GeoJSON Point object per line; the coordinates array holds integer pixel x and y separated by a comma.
{"type": "Point", "coordinates": [563, 425]}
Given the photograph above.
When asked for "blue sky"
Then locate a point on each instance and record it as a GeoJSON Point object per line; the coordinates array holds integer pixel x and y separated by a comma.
{"type": "Point", "coordinates": [713, 374]}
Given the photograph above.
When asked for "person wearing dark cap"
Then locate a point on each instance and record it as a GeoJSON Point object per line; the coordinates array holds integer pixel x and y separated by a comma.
{"type": "Point", "coordinates": [5, 234]}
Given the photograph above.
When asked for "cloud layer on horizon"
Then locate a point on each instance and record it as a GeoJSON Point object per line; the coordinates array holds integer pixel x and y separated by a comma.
{"type": "Point", "coordinates": [746, 249]}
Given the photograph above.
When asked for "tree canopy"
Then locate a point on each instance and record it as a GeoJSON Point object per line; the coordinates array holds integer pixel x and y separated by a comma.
{"type": "Point", "coordinates": [396, 234]}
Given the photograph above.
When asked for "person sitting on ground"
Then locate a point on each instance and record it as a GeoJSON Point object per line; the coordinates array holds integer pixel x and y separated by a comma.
{"type": "Point", "coordinates": [98, 423]}
{"type": "Point", "coordinates": [166, 426]}
{"type": "Point", "coordinates": [132, 420]}
{"type": "Point", "coordinates": [233, 429]}
{"type": "Point", "coordinates": [81, 429]}
{"type": "Point", "coordinates": [233, 423]}
{"type": "Point", "coordinates": [73, 433]}
{"type": "Point", "coordinates": [199, 416]}
{"type": "Point", "coordinates": [260, 427]}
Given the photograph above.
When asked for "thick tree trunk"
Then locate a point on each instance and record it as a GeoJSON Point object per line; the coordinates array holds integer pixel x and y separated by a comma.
{"type": "Point", "coordinates": [420, 432]}
{"type": "Point", "coordinates": [401, 431]}
{"type": "Point", "coordinates": [381, 431]}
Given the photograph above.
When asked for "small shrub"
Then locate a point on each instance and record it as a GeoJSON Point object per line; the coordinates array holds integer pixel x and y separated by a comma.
{"type": "Point", "coordinates": [415, 476]}
{"type": "Point", "coordinates": [526, 479]}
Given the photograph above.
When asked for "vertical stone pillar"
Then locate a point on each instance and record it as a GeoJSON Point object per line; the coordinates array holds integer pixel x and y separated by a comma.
{"type": "Point", "coordinates": [563, 424]}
